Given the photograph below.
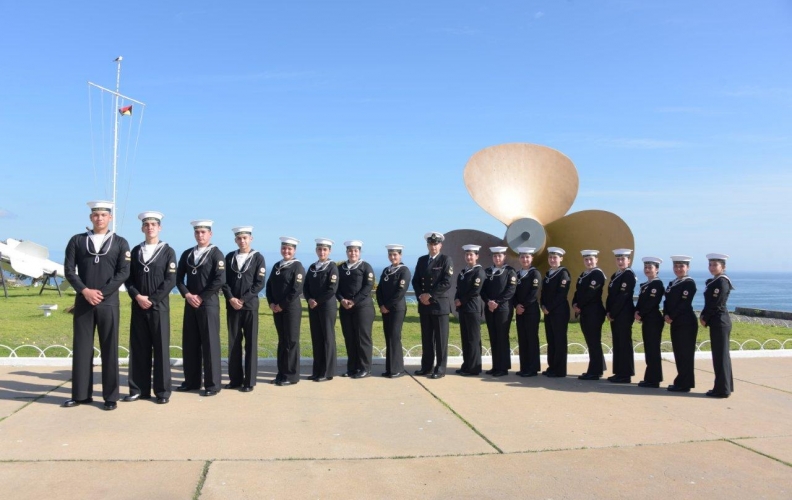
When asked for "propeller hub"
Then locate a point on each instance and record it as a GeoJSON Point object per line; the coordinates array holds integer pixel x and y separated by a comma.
{"type": "Point", "coordinates": [526, 233]}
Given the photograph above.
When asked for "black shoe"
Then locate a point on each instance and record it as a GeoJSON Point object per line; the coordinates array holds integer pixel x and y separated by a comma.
{"type": "Point", "coordinates": [720, 395]}
{"type": "Point", "coordinates": [311, 378]}
{"type": "Point", "coordinates": [619, 380]}
{"type": "Point", "coordinates": [385, 374]}
{"type": "Point", "coordinates": [499, 373]}
{"type": "Point", "coordinates": [396, 375]}
{"type": "Point", "coordinates": [348, 374]}
{"type": "Point", "coordinates": [71, 403]}
{"type": "Point", "coordinates": [674, 388]}
{"type": "Point", "coordinates": [210, 392]}
{"type": "Point", "coordinates": [613, 377]}
{"type": "Point", "coordinates": [130, 398]}
{"type": "Point", "coordinates": [554, 375]}
{"type": "Point", "coordinates": [185, 388]}
{"type": "Point", "coordinates": [145, 396]}
{"type": "Point", "coordinates": [460, 371]}
{"type": "Point", "coordinates": [246, 388]}
{"type": "Point", "coordinates": [422, 372]}
{"type": "Point", "coordinates": [586, 376]}
{"type": "Point", "coordinates": [110, 405]}
{"type": "Point", "coordinates": [545, 372]}
{"type": "Point", "coordinates": [361, 374]}
{"type": "Point", "coordinates": [232, 386]}
{"type": "Point", "coordinates": [162, 401]}
{"type": "Point", "coordinates": [528, 374]}
{"type": "Point", "coordinates": [651, 385]}
{"type": "Point", "coordinates": [322, 379]}
{"type": "Point", "coordinates": [490, 372]}
{"type": "Point", "coordinates": [280, 383]}
{"type": "Point", "coordinates": [437, 375]}
{"type": "Point", "coordinates": [548, 373]}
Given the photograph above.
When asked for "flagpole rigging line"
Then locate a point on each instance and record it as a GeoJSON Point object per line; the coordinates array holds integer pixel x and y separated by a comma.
{"type": "Point", "coordinates": [93, 148]}
{"type": "Point", "coordinates": [134, 156]}
{"type": "Point", "coordinates": [104, 141]}
{"type": "Point", "coordinates": [116, 93]}
{"type": "Point", "coordinates": [115, 137]}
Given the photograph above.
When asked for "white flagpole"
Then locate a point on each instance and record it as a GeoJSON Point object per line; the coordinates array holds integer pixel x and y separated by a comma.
{"type": "Point", "coordinates": [115, 139]}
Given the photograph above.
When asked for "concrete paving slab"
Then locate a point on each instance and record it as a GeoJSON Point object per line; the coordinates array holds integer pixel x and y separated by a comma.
{"type": "Point", "coordinates": [84, 480]}
{"type": "Point", "coordinates": [777, 447]}
{"type": "Point", "coordinates": [342, 418]}
{"type": "Point", "coordinates": [710, 470]}
{"type": "Point", "coordinates": [768, 372]}
{"type": "Point", "coordinates": [530, 414]}
{"type": "Point", "coordinates": [21, 384]}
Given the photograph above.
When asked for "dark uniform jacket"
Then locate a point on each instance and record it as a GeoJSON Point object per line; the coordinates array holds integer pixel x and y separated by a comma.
{"type": "Point", "coordinates": [648, 306]}
{"type": "Point", "coordinates": [104, 270]}
{"type": "Point", "coordinates": [285, 284]}
{"type": "Point", "coordinates": [620, 294]}
{"type": "Point", "coordinates": [392, 288]}
{"type": "Point", "coordinates": [716, 294]}
{"type": "Point", "coordinates": [321, 285]}
{"type": "Point", "coordinates": [679, 298]}
{"type": "Point", "coordinates": [436, 282]}
{"type": "Point", "coordinates": [555, 290]}
{"type": "Point", "coordinates": [527, 290]}
{"type": "Point", "coordinates": [468, 290]}
{"type": "Point", "coordinates": [588, 292]}
{"type": "Point", "coordinates": [356, 284]}
{"type": "Point", "coordinates": [245, 283]}
{"type": "Point", "coordinates": [204, 278]}
{"type": "Point", "coordinates": [499, 286]}
{"type": "Point", "coordinates": [153, 279]}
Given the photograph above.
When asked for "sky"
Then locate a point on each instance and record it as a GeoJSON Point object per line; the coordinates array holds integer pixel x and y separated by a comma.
{"type": "Point", "coordinates": [355, 119]}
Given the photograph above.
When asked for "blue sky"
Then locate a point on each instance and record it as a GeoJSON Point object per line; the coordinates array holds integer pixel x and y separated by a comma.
{"type": "Point", "coordinates": [354, 119]}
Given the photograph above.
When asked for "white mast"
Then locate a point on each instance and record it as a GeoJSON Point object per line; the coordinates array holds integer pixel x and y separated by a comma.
{"type": "Point", "coordinates": [115, 139]}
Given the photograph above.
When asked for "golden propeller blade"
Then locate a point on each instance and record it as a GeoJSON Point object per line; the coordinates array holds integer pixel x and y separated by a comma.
{"type": "Point", "coordinates": [518, 181]}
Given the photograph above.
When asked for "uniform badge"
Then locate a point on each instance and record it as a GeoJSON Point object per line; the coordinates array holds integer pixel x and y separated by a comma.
{"type": "Point", "coordinates": [563, 282]}
{"type": "Point", "coordinates": [451, 270]}
{"type": "Point", "coordinates": [478, 280]}
{"type": "Point", "coordinates": [685, 293]}
{"type": "Point", "coordinates": [513, 279]}
{"type": "Point", "coordinates": [299, 276]}
{"type": "Point", "coordinates": [593, 282]}
{"type": "Point", "coordinates": [371, 275]}
{"type": "Point", "coordinates": [221, 264]}
{"type": "Point", "coordinates": [654, 290]}
{"type": "Point", "coordinates": [401, 282]}
{"type": "Point", "coordinates": [173, 265]}
{"type": "Point", "coordinates": [333, 277]}
{"type": "Point", "coordinates": [624, 285]}
{"type": "Point", "coordinates": [128, 253]}
{"type": "Point", "coordinates": [536, 281]}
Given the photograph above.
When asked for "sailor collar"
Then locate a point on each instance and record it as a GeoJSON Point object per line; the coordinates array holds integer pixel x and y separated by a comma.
{"type": "Point", "coordinates": [644, 285]}
{"type": "Point", "coordinates": [713, 280]}
{"type": "Point", "coordinates": [157, 252]}
{"type": "Point", "coordinates": [201, 259]}
{"type": "Point", "coordinates": [247, 263]}
{"type": "Point", "coordinates": [105, 242]}
{"type": "Point", "coordinates": [390, 271]}
{"type": "Point", "coordinates": [493, 271]}
{"type": "Point", "coordinates": [678, 281]}
{"type": "Point", "coordinates": [466, 270]}
{"type": "Point", "coordinates": [284, 264]}
{"type": "Point", "coordinates": [553, 273]}
{"type": "Point", "coordinates": [586, 273]}
{"type": "Point", "coordinates": [349, 268]}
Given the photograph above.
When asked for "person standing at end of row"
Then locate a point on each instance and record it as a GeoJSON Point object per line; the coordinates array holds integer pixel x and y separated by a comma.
{"type": "Point", "coordinates": [467, 301]}
{"type": "Point", "coordinates": [152, 277]}
{"type": "Point", "coordinates": [678, 312]}
{"type": "Point", "coordinates": [283, 296]}
{"type": "Point", "coordinates": [715, 316]}
{"type": "Point", "coordinates": [526, 305]}
{"type": "Point", "coordinates": [621, 314]}
{"type": "Point", "coordinates": [587, 303]}
{"type": "Point", "coordinates": [390, 297]}
{"type": "Point", "coordinates": [199, 277]}
{"type": "Point", "coordinates": [355, 283]}
{"type": "Point", "coordinates": [555, 307]}
{"type": "Point", "coordinates": [321, 284]}
{"type": "Point", "coordinates": [96, 265]}
{"type": "Point", "coordinates": [245, 271]}
{"type": "Point", "coordinates": [647, 312]}
{"type": "Point", "coordinates": [497, 293]}
{"type": "Point", "coordinates": [431, 282]}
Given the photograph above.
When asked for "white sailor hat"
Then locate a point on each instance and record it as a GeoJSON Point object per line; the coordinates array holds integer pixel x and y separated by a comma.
{"type": "Point", "coordinates": [622, 252]}
{"type": "Point", "coordinates": [684, 259]}
{"type": "Point", "coordinates": [471, 248]}
{"type": "Point", "coordinates": [528, 250]}
{"type": "Point", "coordinates": [288, 240]}
{"type": "Point", "coordinates": [202, 223]}
{"type": "Point", "coordinates": [434, 237]}
{"type": "Point", "coordinates": [394, 248]}
{"type": "Point", "coordinates": [498, 249]}
{"type": "Point", "coordinates": [556, 250]}
{"type": "Point", "coordinates": [242, 229]}
{"type": "Point", "coordinates": [717, 256]}
{"type": "Point", "coordinates": [652, 260]}
{"type": "Point", "coordinates": [324, 242]}
{"type": "Point", "coordinates": [100, 206]}
{"type": "Point", "coordinates": [150, 216]}
{"type": "Point", "coordinates": [589, 253]}
{"type": "Point", "coordinates": [353, 243]}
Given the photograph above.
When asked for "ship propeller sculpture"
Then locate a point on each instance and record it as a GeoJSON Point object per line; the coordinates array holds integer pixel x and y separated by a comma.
{"type": "Point", "coordinates": [530, 188]}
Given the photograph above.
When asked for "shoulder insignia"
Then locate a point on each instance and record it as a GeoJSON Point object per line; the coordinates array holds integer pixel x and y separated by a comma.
{"type": "Point", "coordinates": [654, 290]}
{"type": "Point", "coordinates": [535, 281]}
{"type": "Point", "coordinates": [371, 275]}
{"type": "Point", "coordinates": [221, 264]}
{"type": "Point", "coordinates": [717, 291]}
{"type": "Point", "coordinates": [478, 280]}
{"type": "Point", "coordinates": [563, 282]}
{"type": "Point", "coordinates": [401, 282]}
{"type": "Point", "coordinates": [333, 277]}
{"type": "Point", "coordinates": [299, 276]}
{"type": "Point", "coordinates": [514, 279]}
{"type": "Point", "coordinates": [128, 253]}
{"type": "Point", "coordinates": [593, 282]}
{"type": "Point", "coordinates": [262, 270]}
{"type": "Point", "coordinates": [685, 293]}
{"type": "Point", "coordinates": [624, 285]}
{"type": "Point", "coordinates": [172, 265]}
{"type": "Point", "coordinates": [451, 270]}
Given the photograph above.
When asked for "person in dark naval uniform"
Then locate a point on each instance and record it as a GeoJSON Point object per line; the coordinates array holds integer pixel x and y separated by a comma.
{"type": "Point", "coordinates": [497, 293]}
{"type": "Point", "coordinates": [96, 265]}
{"type": "Point", "coordinates": [431, 282]}
{"type": "Point", "coordinates": [621, 314]}
{"type": "Point", "coordinates": [152, 277]}
{"type": "Point", "coordinates": [283, 296]}
{"type": "Point", "coordinates": [555, 307]}
{"type": "Point", "coordinates": [355, 284]}
{"type": "Point", "coordinates": [199, 277]}
{"type": "Point", "coordinates": [391, 290]}
{"type": "Point", "coordinates": [526, 305]}
{"type": "Point", "coordinates": [245, 271]}
{"type": "Point", "coordinates": [647, 313]}
{"type": "Point", "coordinates": [678, 312]}
{"type": "Point", "coordinates": [321, 284]}
{"type": "Point", "coordinates": [715, 316]}
{"type": "Point", "coordinates": [470, 308]}
{"type": "Point", "coordinates": [587, 304]}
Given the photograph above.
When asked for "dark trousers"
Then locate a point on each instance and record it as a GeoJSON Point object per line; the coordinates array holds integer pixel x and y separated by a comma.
{"type": "Point", "coordinates": [356, 325]}
{"type": "Point", "coordinates": [591, 324]}
{"type": "Point", "coordinates": [720, 331]}
{"type": "Point", "coordinates": [498, 326]}
{"type": "Point", "coordinates": [470, 331]}
{"type": "Point", "coordinates": [104, 319]}
{"type": "Point", "coordinates": [556, 325]}
{"type": "Point", "coordinates": [623, 353]}
{"type": "Point", "coordinates": [287, 324]}
{"type": "Point", "coordinates": [528, 339]}
{"type": "Point", "coordinates": [322, 319]}
{"type": "Point", "coordinates": [242, 328]}
{"type": "Point", "coordinates": [149, 334]}
{"type": "Point", "coordinates": [201, 345]}
{"type": "Point", "coordinates": [434, 342]}
{"type": "Point", "coordinates": [394, 354]}
{"type": "Point", "coordinates": [684, 330]}
{"type": "Point", "coordinates": [652, 333]}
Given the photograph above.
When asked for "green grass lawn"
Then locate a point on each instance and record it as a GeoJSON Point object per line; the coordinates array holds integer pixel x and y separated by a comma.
{"type": "Point", "coordinates": [22, 323]}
